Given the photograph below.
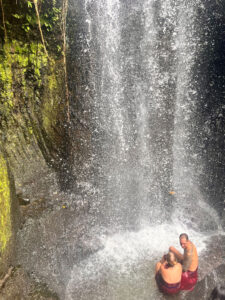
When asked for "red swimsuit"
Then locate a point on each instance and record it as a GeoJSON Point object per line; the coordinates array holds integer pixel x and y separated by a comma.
{"type": "Point", "coordinates": [189, 280]}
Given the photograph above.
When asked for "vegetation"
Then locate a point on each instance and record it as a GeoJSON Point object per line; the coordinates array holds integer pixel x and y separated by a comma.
{"type": "Point", "coordinates": [5, 204]}
{"type": "Point", "coordinates": [33, 89]}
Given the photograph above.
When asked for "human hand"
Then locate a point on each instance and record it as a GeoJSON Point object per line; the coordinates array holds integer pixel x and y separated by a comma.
{"type": "Point", "coordinates": [171, 249]}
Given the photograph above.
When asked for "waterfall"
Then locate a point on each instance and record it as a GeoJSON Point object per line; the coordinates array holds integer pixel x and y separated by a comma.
{"type": "Point", "coordinates": [132, 72]}
{"type": "Point", "coordinates": [141, 97]}
{"type": "Point", "coordinates": [144, 167]}
{"type": "Point", "coordinates": [187, 161]}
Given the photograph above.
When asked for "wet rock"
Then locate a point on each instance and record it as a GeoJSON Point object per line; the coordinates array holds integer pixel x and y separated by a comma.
{"type": "Point", "coordinates": [51, 244]}
{"type": "Point", "coordinates": [6, 277]}
{"type": "Point", "coordinates": [213, 257]}
{"type": "Point", "coordinates": [22, 200]}
{"type": "Point", "coordinates": [21, 286]}
{"type": "Point", "coordinates": [35, 209]}
{"type": "Point", "coordinates": [202, 220]}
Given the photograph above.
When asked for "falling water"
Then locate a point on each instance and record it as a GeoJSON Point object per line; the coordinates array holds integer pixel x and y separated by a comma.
{"type": "Point", "coordinates": [142, 101]}
{"type": "Point", "coordinates": [134, 77]}
{"type": "Point", "coordinates": [144, 167]}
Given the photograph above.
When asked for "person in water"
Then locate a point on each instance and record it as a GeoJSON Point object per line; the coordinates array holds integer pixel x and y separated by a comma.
{"type": "Point", "coordinates": [168, 274]}
{"type": "Point", "coordinates": [189, 261]}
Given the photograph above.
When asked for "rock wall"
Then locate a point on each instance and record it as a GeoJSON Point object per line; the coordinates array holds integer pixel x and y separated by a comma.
{"type": "Point", "coordinates": [34, 130]}
{"type": "Point", "coordinates": [33, 102]}
{"type": "Point", "coordinates": [210, 73]}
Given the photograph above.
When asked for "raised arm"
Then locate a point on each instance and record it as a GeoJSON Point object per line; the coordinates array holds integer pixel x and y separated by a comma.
{"type": "Point", "coordinates": [178, 255]}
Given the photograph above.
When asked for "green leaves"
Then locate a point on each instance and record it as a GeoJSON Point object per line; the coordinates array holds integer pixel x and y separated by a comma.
{"type": "Point", "coordinates": [59, 48]}
{"type": "Point", "coordinates": [29, 18]}
{"type": "Point", "coordinates": [26, 27]}
{"type": "Point", "coordinates": [29, 4]}
{"type": "Point", "coordinates": [19, 60]}
{"type": "Point", "coordinates": [17, 16]}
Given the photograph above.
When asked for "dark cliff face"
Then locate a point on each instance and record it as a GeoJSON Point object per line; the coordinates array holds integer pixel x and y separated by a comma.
{"type": "Point", "coordinates": [209, 75]}
{"type": "Point", "coordinates": [79, 69]}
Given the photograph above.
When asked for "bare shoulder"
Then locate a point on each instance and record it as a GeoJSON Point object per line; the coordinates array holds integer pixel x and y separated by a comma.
{"type": "Point", "coordinates": [189, 248]}
{"type": "Point", "coordinates": [163, 265]}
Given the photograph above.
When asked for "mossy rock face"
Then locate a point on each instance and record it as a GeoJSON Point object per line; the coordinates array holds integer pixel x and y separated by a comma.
{"type": "Point", "coordinates": [34, 105]}
{"type": "Point", "coordinates": [8, 215]}
{"type": "Point", "coordinates": [32, 100]}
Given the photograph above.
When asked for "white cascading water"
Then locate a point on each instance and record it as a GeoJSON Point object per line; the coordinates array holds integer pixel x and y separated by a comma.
{"type": "Point", "coordinates": [131, 108]}
{"type": "Point", "coordinates": [187, 165]}
{"type": "Point", "coordinates": [141, 56]}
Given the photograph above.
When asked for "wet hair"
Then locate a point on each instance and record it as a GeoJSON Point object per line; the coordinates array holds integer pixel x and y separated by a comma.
{"type": "Point", "coordinates": [183, 235]}
{"type": "Point", "coordinates": [218, 293]}
{"type": "Point", "coordinates": [171, 262]}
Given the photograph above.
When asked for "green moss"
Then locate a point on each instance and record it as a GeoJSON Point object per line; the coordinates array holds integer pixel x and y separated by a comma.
{"type": "Point", "coordinates": [19, 61]}
{"type": "Point", "coordinates": [52, 107]}
{"type": "Point", "coordinates": [32, 101]}
{"type": "Point", "coordinates": [5, 206]}
{"type": "Point", "coordinates": [25, 72]}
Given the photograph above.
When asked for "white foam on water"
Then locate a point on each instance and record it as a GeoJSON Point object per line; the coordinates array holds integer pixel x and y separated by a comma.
{"type": "Point", "coordinates": [124, 251]}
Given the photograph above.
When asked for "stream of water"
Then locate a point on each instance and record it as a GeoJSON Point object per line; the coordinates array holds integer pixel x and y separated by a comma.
{"type": "Point", "coordinates": [143, 99]}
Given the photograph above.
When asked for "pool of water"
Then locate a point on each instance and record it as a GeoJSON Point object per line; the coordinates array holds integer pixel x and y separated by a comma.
{"type": "Point", "coordinates": [124, 268]}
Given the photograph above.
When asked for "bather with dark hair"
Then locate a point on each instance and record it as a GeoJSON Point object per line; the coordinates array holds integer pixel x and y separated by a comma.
{"type": "Point", "coordinates": [168, 274]}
